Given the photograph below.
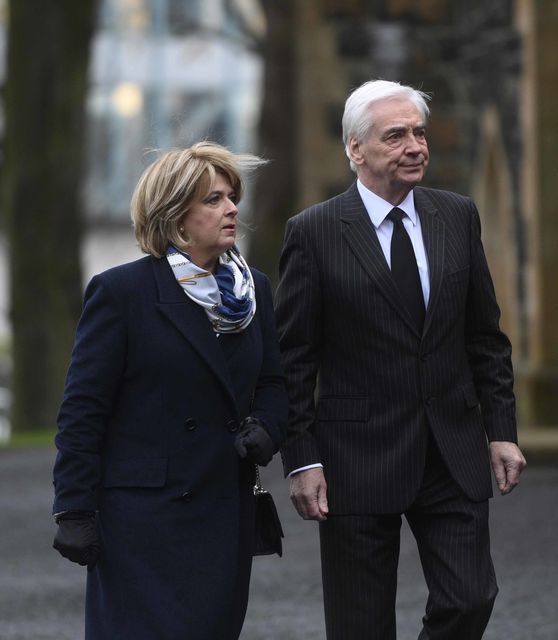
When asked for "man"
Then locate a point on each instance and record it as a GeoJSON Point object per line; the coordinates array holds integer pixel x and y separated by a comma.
{"type": "Point", "coordinates": [398, 376]}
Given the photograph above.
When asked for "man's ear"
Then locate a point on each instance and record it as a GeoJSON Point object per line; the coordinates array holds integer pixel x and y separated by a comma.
{"type": "Point", "coordinates": [355, 153]}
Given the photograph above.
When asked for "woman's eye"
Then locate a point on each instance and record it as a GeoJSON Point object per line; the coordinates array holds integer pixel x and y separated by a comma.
{"type": "Point", "coordinates": [212, 200]}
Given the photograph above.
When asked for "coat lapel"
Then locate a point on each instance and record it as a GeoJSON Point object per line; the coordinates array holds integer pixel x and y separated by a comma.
{"type": "Point", "coordinates": [360, 234]}
{"type": "Point", "coordinates": [192, 323]}
{"type": "Point", "coordinates": [434, 238]}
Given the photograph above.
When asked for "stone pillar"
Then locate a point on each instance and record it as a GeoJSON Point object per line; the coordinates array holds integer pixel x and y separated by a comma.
{"type": "Point", "coordinates": [321, 94]}
{"type": "Point", "coordinates": [537, 376]}
{"type": "Point", "coordinates": [493, 194]}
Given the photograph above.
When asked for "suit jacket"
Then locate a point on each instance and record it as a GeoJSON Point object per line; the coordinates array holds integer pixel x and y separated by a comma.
{"type": "Point", "coordinates": [381, 384]}
{"type": "Point", "coordinates": [146, 435]}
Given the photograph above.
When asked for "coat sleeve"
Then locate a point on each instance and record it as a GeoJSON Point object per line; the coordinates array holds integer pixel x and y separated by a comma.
{"type": "Point", "coordinates": [298, 312]}
{"type": "Point", "coordinates": [488, 348]}
{"type": "Point", "coordinates": [94, 375]}
{"type": "Point", "coordinates": [270, 402]}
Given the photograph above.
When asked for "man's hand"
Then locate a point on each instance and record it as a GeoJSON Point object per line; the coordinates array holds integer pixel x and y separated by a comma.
{"type": "Point", "coordinates": [309, 494]}
{"type": "Point", "coordinates": [507, 463]}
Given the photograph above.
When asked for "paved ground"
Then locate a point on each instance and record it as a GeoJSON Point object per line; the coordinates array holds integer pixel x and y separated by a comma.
{"type": "Point", "coordinates": [41, 595]}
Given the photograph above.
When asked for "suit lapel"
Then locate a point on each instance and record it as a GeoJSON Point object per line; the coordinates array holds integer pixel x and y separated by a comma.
{"type": "Point", "coordinates": [360, 234]}
{"type": "Point", "coordinates": [434, 237]}
{"type": "Point", "coordinates": [192, 323]}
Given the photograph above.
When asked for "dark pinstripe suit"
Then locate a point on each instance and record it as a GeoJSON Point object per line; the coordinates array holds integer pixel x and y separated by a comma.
{"type": "Point", "coordinates": [383, 387]}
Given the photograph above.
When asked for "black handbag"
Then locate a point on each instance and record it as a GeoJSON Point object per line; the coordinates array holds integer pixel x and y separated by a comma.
{"type": "Point", "coordinates": [268, 530]}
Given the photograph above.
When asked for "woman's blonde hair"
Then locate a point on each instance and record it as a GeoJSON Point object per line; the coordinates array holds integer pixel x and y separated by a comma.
{"type": "Point", "coordinates": [173, 183]}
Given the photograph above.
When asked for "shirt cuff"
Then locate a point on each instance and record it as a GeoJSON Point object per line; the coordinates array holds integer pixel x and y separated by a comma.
{"type": "Point", "coordinates": [316, 465]}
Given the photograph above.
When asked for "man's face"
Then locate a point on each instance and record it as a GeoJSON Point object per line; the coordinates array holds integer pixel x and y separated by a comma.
{"type": "Point", "coordinates": [394, 156]}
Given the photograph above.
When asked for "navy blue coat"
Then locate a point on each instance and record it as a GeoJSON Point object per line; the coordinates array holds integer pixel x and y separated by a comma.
{"type": "Point", "coordinates": [146, 429]}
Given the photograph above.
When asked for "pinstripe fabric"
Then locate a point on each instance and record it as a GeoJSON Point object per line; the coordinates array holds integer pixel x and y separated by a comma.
{"type": "Point", "coordinates": [340, 315]}
{"type": "Point", "coordinates": [359, 565]}
{"type": "Point", "coordinates": [373, 399]}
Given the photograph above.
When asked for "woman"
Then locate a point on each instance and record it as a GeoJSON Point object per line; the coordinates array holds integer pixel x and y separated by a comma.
{"type": "Point", "coordinates": [173, 393]}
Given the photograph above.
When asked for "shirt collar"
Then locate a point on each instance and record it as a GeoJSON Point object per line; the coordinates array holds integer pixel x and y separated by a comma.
{"type": "Point", "coordinates": [378, 208]}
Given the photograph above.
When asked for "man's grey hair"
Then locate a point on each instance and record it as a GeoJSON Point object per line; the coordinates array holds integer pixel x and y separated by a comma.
{"type": "Point", "coordinates": [357, 118]}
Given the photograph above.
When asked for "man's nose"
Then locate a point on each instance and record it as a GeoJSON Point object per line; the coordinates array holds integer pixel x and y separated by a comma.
{"type": "Point", "coordinates": [413, 144]}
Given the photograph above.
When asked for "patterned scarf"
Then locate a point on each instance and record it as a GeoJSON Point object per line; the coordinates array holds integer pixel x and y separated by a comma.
{"type": "Point", "coordinates": [227, 297]}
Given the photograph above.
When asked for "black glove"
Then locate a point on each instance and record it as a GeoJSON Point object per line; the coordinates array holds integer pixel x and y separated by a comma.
{"type": "Point", "coordinates": [253, 442]}
{"type": "Point", "coordinates": [77, 538]}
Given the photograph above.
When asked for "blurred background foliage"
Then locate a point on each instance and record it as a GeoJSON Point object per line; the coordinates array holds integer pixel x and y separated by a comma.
{"type": "Point", "coordinates": [92, 89]}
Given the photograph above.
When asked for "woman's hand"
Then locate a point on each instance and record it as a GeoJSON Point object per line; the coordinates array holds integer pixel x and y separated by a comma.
{"type": "Point", "coordinates": [77, 538]}
{"type": "Point", "coordinates": [253, 442]}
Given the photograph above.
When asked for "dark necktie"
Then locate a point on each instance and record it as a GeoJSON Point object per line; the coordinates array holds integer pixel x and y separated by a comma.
{"type": "Point", "coordinates": [404, 268]}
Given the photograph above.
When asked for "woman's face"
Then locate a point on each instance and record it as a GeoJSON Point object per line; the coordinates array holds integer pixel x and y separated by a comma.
{"type": "Point", "coordinates": [210, 224]}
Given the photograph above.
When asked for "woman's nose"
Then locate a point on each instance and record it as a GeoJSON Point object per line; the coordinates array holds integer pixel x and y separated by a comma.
{"type": "Point", "coordinates": [232, 209]}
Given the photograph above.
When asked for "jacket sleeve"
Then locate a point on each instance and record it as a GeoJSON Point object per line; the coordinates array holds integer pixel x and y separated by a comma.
{"type": "Point", "coordinates": [270, 402]}
{"type": "Point", "coordinates": [298, 312]}
{"type": "Point", "coordinates": [488, 348]}
{"type": "Point", "coordinates": [94, 375]}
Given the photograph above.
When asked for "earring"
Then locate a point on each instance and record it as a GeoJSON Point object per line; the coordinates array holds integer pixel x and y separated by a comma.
{"type": "Point", "coordinates": [181, 229]}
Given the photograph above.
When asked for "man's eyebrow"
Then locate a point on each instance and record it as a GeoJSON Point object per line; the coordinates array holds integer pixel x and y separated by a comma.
{"type": "Point", "coordinates": [400, 128]}
{"type": "Point", "coordinates": [395, 129]}
{"type": "Point", "coordinates": [404, 127]}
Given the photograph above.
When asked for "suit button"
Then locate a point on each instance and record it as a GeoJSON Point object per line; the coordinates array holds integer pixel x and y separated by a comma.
{"type": "Point", "coordinates": [190, 424]}
{"type": "Point", "coordinates": [424, 357]}
{"type": "Point", "coordinates": [186, 496]}
{"type": "Point", "coordinates": [232, 426]}
{"type": "Point", "coordinates": [430, 401]}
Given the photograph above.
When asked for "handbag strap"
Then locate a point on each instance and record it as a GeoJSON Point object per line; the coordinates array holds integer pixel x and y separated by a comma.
{"type": "Point", "coordinates": [258, 486]}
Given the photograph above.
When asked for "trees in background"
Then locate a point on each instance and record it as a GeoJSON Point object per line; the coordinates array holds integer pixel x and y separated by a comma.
{"type": "Point", "coordinates": [47, 62]}
{"type": "Point", "coordinates": [276, 191]}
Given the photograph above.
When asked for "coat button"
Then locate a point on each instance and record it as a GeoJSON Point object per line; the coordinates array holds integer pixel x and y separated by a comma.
{"type": "Point", "coordinates": [430, 400]}
{"type": "Point", "coordinates": [232, 426]}
{"type": "Point", "coordinates": [190, 424]}
{"type": "Point", "coordinates": [186, 496]}
{"type": "Point", "coordinates": [424, 357]}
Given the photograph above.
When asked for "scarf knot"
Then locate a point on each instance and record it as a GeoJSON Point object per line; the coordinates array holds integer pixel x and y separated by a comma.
{"type": "Point", "coordinates": [227, 297]}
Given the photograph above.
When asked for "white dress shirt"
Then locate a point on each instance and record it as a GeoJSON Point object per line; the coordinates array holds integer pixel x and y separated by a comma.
{"type": "Point", "coordinates": [378, 209]}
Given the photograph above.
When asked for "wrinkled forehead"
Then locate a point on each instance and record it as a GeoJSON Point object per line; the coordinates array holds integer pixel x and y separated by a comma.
{"type": "Point", "coordinates": [395, 113]}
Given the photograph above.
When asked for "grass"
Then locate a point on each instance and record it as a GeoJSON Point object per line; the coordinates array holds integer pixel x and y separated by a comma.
{"type": "Point", "coordinates": [42, 438]}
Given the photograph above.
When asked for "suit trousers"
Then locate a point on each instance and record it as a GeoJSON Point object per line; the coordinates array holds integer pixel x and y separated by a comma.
{"type": "Point", "coordinates": [360, 555]}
